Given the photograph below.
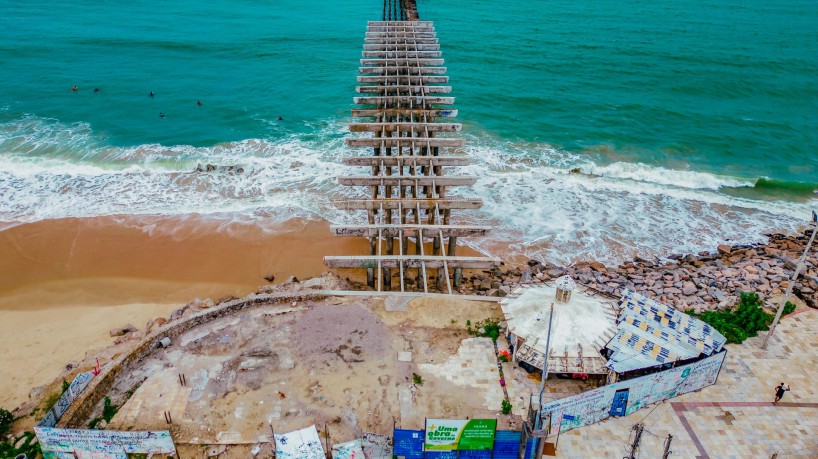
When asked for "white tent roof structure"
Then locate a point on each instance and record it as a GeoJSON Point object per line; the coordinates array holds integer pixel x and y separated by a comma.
{"type": "Point", "coordinates": [651, 334]}
{"type": "Point", "coordinates": [580, 328]}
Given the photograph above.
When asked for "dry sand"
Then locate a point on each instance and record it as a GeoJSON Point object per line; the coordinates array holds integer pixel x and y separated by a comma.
{"type": "Point", "coordinates": [65, 283]}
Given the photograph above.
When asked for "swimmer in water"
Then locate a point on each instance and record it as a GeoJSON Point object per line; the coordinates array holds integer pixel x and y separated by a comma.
{"type": "Point", "coordinates": [96, 89]}
{"type": "Point", "coordinates": [161, 115]}
{"type": "Point", "coordinates": [151, 93]}
{"type": "Point", "coordinates": [198, 102]}
{"type": "Point", "coordinates": [279, 119]}
{"type": "Point", "coordinates": [75, 89]}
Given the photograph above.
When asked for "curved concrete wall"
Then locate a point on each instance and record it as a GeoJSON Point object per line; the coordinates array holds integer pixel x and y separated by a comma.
{"type": "Point", "coordinates": [82, 408]}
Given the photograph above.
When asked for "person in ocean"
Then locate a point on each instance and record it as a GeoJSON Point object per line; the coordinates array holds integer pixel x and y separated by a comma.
{"type": "Point", "coordinates": [198, 102]}
{"type": "Point", "coordinates": [161, 115]}
{"type": "Point", "coordinates": [96, 89]}
{"type": "Point", "coordinates": [75, 89]}
{"type": "Point", "coordinates": [151, 94]}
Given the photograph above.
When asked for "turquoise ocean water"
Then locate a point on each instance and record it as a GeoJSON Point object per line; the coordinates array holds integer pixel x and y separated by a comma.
{"type": "Point", "coordinates": [691, 122]}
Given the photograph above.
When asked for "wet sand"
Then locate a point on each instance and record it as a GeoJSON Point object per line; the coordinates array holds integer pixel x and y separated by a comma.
{"type": "Point", "coordinates": [65, 283]}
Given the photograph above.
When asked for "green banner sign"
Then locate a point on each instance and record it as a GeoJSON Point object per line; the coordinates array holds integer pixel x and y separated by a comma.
{"type": "Point", "coordinates": [457, 434]}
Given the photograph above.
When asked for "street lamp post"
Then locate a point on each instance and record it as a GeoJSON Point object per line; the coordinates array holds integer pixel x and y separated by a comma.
{"type": "Point", "coordinates": [538, 419]}
{"type": "Point", "coordinates": [798, 267]}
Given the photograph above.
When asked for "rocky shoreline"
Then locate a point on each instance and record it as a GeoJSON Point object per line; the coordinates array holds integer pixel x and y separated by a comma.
{"type": "Point", "coordinates": [706, 281]}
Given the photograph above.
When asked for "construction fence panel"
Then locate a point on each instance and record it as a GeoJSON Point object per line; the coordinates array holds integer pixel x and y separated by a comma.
{"type": "Point", "coordinates": [466, 454]}
{"type": "Point", "coordinates": [506, 444]}
{"type": "Point", "coordinates": [408, 443]}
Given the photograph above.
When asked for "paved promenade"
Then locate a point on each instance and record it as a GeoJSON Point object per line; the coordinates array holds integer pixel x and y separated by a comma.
{"type": "Point", "coordinates": [734, 418]}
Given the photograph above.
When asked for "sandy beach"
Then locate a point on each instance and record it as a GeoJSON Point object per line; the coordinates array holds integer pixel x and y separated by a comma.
{"type": "Point", "coordinates": [65, 283]}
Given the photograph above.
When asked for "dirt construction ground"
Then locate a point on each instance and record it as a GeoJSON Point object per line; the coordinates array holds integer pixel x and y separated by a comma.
{"type": "Point", "coordinates": [343, 364]}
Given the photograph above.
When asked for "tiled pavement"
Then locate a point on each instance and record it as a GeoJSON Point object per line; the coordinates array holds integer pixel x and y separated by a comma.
{"type": "Point", "coordinates": [475, 367]}
{"type": "Point", "coordinates": [734, 418]}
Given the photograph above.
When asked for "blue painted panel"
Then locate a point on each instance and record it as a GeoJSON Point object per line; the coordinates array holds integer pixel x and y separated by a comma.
{"type": "Point", "coordinates": [506, 444]}
{"type": "Point", "coordinates": [441, 455]}
{"type": "Point", "coordinates": [475, 454]}
{"type": "Point", "coordinates": [408, 443]}
{"type": "Point", "coordinates": [620, 403]}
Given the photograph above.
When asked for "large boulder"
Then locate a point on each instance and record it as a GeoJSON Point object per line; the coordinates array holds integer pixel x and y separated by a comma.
{"type": "Point", "coordinates": [724, 249]}
{"type": "Point", "coordinates": [315, 283]}
{"type": "Point", "coordinates": [122, 330]}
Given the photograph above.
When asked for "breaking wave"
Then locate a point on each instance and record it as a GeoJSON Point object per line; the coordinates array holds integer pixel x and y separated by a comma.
{"type": "Point", "coordinates": [539, 206]}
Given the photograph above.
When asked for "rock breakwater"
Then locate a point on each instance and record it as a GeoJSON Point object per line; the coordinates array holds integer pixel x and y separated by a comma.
{"type": "Point", "coordinates": [705, 281]}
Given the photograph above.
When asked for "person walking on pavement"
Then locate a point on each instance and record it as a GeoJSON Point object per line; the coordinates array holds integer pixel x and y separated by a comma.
{"type": "Point", "coordinates": [779, 391]}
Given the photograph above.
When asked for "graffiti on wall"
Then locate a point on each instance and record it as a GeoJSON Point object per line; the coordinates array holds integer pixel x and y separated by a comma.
{"type": "Point", "coordinates": [595, 405]}
{"type": "Point", "coordinates": [76, 387]}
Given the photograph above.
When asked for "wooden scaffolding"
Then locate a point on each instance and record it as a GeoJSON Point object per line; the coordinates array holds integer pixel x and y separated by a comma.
{"type": "Point", "coordinates": [409, 116]}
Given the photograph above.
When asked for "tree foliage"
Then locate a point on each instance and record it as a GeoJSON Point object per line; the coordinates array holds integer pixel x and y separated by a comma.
{"type": "Point", "coordinates": [6, 419]}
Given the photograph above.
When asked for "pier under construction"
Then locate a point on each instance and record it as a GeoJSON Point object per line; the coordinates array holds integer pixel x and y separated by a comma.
{"type": "Point", "coordinates": [404, 104]}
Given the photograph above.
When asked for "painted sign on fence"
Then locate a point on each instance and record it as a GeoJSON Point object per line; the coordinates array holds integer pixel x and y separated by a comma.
{"type": "Point", "coordinates": [103, 444]}
{"type": "Point", "coordinates": [348, 450]}
{"type": "Point", "coordinates": [595, 405]}
{"type": "Point", "coordinates": [457, 434]}
{"type": "Point", "coordinates": [376, 446]}
{"type": "Point", "coordinates": [299, 444]}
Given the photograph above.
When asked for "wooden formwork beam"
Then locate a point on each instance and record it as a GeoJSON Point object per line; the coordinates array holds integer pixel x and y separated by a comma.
{"type": "Point", "coordinates": [402, 61]}
{"type": "Point", "coordinates": [410, 261]}
{"type": "Point", "coordinates": [405, 112]}
{"type": "Point", "coordinates": [402, 70]}
{"type": "Point", "coordinates": [401, 41]}
{"type": "Point", "coordinates": [405, 127]}
{"type": "Point", "coordinates": [428, 231]}
{"type": "Point", "coordinates": [403, 26]}
{"type": "Point", "coordinates": [403, 89]}
{"type": "Point", "coordinates": [422, 23]}
{"type": "Point", "coordinates": [407, 180]}
{"type": "Point", "coordinates": [407, 160]}
{"type": "Point", "coordinates": [401, 47]}
{"type": "Point", "coordinates": [415, 100]}
{"type": "Point", "coordinates": [406, 142]}
{"type": "Point", "coordinates": [407, 203]}
{"type": "Point", "coordinates": [400, 28]}
{"type": "Point", "coordinates": [400, 35]}
{"type": "Point", "coordinates": [403, 79]}
{"type": "Point", "coordinates": [401, 54]}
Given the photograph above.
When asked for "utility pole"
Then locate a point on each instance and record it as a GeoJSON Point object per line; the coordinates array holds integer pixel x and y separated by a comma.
{"type": "Point", "coordinates": [667, 452]}
{"type": "Point", "coordinates": [798, 267]}
{"type": "Point", "coordinates": [638, 429]}
{"type": "Point", "coordinates": [538, 419]}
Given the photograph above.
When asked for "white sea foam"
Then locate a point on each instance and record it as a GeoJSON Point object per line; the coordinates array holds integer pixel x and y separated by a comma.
{"type": "Point", "coordinates": [662, 176]}
{"type": "Point", "coordinates": [540, 209]}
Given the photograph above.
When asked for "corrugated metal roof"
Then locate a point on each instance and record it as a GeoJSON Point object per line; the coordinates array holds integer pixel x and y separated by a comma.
{"type": "Point", "coordinates": [652, 334]}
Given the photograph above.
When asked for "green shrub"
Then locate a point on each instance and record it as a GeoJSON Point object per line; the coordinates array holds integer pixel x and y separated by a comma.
{"type": "Point", "coordinates": [506, 407]}
{"type": "Point", "coordinates": [789, 308]}
{"type": "Point", "coordinates": [6, 419]}
{"type": "Point", "coordinates": [741, 322]}
{"type": "Point", "coordinates": [417, 379]}
{"type": "Point", "coordinates": [65, 386]}
{"type": "Point", "coordinates": [30, 447]}
{"type": "Point", "coordinates": [490, 329]}
{"type": "Point", "coordinates": [109, 410]}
